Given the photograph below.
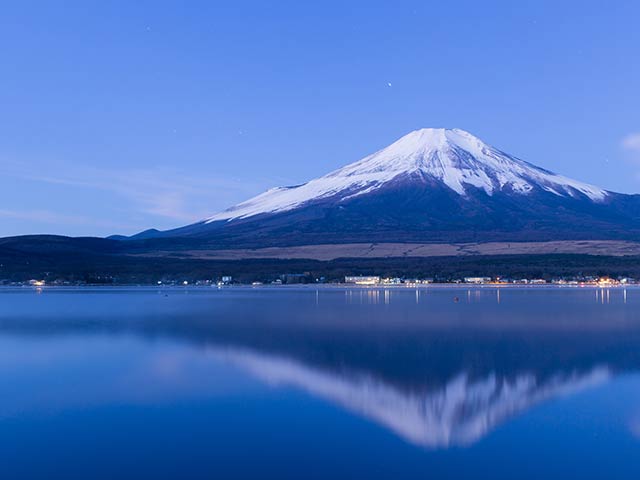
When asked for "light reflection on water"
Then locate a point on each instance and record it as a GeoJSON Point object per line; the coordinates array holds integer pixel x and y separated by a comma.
{"type": "Point", "coordinates": [377, 295]}
{"type": "Point", "coordinates": [438, 369]}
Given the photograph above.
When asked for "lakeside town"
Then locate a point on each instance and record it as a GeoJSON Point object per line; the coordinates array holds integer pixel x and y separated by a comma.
{"type": "Point", "coordinates": [350, 280]}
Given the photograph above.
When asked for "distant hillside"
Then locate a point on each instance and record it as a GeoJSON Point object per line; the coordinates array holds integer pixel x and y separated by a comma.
{"type": "Point", "coordinates": [107, 261]}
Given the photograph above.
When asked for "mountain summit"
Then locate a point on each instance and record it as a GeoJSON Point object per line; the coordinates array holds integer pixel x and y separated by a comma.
{"type": "Point", "coordinates": [453, 158]}
{"type": "Point", "coordinates": [432, 185]}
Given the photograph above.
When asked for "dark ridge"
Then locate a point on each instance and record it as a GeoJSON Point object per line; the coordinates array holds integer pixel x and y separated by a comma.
{"type": "Point", "coordinates": [103, 261]}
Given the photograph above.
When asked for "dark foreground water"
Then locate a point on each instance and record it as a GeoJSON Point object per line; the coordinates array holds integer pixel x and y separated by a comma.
{"type": "Point", "coordinates": [328, 383]}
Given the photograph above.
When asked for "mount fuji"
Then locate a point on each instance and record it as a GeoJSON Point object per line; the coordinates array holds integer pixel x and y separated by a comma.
{"type": "Point", "coordinates": [432, 185]}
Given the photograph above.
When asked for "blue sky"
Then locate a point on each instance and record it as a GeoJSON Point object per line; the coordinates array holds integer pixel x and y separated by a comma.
{"type": "Point", "coordinates": [120, 116]}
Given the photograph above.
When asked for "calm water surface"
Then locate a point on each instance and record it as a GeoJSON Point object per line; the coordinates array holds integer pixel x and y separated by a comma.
{"type": "Point", "coordinates": [327, 383]}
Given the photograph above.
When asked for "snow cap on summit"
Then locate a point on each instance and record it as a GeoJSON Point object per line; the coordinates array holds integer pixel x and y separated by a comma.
{"type": "Point", "coordinates": [452, 157]}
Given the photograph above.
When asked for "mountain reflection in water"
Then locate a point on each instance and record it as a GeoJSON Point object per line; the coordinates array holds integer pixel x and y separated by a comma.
{"type": "Point", "coordinates": [459, 413]}
{"type": "Point", "coordinates": [437, 373]}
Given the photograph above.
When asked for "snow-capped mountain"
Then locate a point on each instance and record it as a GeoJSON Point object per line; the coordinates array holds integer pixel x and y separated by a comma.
{"type": "Point", "coordinates": [454, 158]}
{"type": "Point", "coordinates": [432, 185]}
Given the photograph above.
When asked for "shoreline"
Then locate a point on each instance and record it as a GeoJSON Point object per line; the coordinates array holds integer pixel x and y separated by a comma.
{"type": "Point", "coordinates": [323, 286]}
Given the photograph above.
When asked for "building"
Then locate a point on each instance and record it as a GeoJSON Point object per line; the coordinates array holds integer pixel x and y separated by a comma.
{"type": "Point", "coordinates": [477, 279]}
{"type": "Point", "coordinates": [362, 280]}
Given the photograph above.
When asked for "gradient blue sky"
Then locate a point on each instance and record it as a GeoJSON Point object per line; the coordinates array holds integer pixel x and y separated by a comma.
{"type": "Point", "coordinates": [120, 116]}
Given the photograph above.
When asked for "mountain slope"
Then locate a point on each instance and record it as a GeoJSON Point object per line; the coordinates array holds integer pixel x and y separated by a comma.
{"type": "Point", "coordinates": [430, 185]}
{"type": "Point", "coordinates": [454, 158]}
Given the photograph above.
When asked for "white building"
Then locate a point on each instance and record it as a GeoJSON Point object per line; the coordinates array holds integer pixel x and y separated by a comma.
{"type": "Point", "coordinates": [477, 279]}
{"type": "Point", "coordinates": [359, 280]}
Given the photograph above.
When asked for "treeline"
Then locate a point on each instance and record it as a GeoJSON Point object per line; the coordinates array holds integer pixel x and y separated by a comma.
{"type": "Point", "coordinates": [89, 267]}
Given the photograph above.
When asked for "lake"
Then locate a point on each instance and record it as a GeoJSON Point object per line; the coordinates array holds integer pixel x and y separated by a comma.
{"type": "Point", "coordinates": [303, 383]}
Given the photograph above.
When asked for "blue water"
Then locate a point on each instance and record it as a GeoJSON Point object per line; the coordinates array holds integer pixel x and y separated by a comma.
{"type": "Point", "coordinates": [320, 383]}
